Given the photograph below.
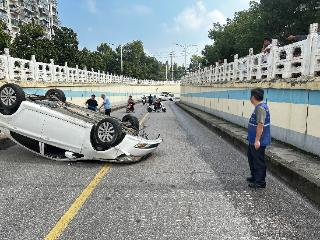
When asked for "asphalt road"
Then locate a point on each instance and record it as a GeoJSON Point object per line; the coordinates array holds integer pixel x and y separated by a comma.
{"type": "Point", "coordinates": [193, 187]}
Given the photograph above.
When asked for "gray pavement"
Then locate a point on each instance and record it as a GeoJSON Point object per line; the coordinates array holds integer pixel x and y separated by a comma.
{"type": "Point", "coordinates": [193, 187]}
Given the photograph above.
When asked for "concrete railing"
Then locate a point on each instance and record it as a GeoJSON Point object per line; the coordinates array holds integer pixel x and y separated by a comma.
{"type": "Point", "coordinates": [291, 61]}
{"type": "Point", "coordinates": [30, 70]}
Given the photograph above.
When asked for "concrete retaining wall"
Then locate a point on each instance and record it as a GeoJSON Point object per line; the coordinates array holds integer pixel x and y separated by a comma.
{"type": "Point", "coordinates": [117, 93]}
{"type": "Point", "coordinates": [295, 113]}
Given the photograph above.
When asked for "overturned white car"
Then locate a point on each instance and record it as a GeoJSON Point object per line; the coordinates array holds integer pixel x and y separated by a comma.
{"type": "Point", "coordinates": [50, 126]}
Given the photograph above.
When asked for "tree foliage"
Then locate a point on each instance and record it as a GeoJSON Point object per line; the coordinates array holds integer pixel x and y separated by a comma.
{"type": "Point", "coordinates": [269, 18]}
{"type": "Point", "coordinates": [64, 48]}
{"type": "Point", "coordinates": [5, 38]}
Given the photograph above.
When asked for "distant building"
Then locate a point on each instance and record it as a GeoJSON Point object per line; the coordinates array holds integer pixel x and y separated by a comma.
{"type": "Point", "coordinates": [16, 12]}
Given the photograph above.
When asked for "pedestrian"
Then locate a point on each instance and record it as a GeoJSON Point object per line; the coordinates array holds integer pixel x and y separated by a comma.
{"type": "Point", "coordinates": [266, 48]}
{"type": "Point", "coordinates": [259, 137]}
{"type": "Point", "coordinates": [92, 103]}
{"type": "Point", "coordinates": [106, 105]}
{"type": "Point", "coordinates": [150, 99]}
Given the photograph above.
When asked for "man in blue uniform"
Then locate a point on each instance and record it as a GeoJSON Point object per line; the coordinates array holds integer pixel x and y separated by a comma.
{"type": "Point", "coordinates": [259, 138]}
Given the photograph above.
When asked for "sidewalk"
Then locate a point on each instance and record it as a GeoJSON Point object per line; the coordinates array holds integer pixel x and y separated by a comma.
{"type": "Point", "coordinates": [299, 170]}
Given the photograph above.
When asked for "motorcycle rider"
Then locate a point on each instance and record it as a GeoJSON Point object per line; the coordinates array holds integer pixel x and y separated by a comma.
{"type": "Point", "coordinates": [131, 103]}
{"type": "Point", "coordinates": [144, 99]}
{"type": "Point", "coordinates": [157, 104]}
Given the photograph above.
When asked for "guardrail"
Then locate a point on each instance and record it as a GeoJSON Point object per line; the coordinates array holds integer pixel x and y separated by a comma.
{"type": "Point", "coordinates": [291, 61]}
{"type": "Point", "coordinates": [30, 70]}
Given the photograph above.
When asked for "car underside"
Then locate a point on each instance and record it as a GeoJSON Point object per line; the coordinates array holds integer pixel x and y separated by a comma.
{"type": "Point", "coordinates": [50, 126]}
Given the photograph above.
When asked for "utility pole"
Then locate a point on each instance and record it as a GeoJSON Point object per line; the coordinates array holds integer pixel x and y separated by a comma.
{"type": "Point", "coordinates": [185, 50]}
{"type": "Point", "coordinates": [121, 50]}
{"type": "Point", "coordinates": [166, 70]}
{"type": "Point", "coordinates": [171, 57]}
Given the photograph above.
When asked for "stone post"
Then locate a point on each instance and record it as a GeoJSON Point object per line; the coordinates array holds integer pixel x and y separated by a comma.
{"type": "Point", "coordinates": [53, 71]}
{"type": "Point", "coordinates": [34, 68]}
{"type": "Point", "coordinates": [77, 76]}
{"type": "Point", "coordinates": [225, 63]}
{"type": "Point", "coordinates": [235, 67]}
{"type": "Point", "coordinates": [250, 64]}
{"type": "Point", "coordinates": [66, 71]}
{"type": "Point", "coordinates": [272, 59]}
{"type": "Point", "coordinates": [313, 48]}
{"type": "Point", "coordinates": [85, 74]}
{"type": "Point", "coordinates": [8, 65]}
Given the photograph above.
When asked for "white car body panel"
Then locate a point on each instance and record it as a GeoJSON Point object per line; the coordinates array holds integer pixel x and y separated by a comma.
{"type": "Point", "coordinates": [72, 134]}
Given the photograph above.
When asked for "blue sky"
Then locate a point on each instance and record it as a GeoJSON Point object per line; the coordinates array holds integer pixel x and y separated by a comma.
{"type": "Point", "coordinates": [158, 23]}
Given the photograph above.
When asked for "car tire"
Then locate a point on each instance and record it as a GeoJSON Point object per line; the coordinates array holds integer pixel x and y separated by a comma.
{"type": "Point", "coordinates": [56, 94]}
{"type": "Point", "coordinates": [11, 97]}
{"type": "Point", "coordinates": [107, 133]}
{"type": "Point", "coordinates": [134, 122]}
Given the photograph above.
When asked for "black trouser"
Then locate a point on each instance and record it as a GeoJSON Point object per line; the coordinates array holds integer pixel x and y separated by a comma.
{"type": "Point", "coordinates": [107, 112]}
{"type": "Point", "coordinates": [257, 164]}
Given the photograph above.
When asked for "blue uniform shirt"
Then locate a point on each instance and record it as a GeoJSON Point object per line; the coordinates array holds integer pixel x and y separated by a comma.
{"type": "Point", "coordinates": [252, 128]}
{"type": "Point", "coordinates": [106, 103]}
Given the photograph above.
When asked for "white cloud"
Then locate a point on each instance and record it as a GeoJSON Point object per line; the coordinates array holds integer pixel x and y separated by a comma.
{"type": "Point", "coordinates": [139, 9]}
{"type": "Point", "coordinates": [197, 17]}
{"type": "Point", "coordinates": [92, 6]}
{"type": "Point", "coordinates": [142, 9]}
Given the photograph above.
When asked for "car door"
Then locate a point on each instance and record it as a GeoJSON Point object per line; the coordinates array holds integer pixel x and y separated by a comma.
{"type": "Point", "coordinates": [28, 121]}
{"type": "Point", "coordinates": [64, 132]}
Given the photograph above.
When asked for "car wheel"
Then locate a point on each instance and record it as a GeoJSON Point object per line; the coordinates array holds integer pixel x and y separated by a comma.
{"type": "Point", "coordinates": [107, 132]}
{"type": "Point", "coordinates": [134, 122]}
{"type": "Point", "coordinates": [56, 94]}
{"type": "Point", "coordinates": [11, 97]}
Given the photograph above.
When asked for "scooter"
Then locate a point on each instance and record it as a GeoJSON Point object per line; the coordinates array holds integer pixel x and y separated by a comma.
{"type": "Point", "coordinates": [154, 108]}
{"type": "Point", "coordinates": [144, 101]}
{"type": "Point", "coordinates": [130, 108]}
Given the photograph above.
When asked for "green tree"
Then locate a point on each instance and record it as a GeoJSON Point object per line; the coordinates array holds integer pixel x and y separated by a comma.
{"type": "Point", "coordinates": [196, 61]}
{"type": "Point", "coordinates": [5, 38]}
{"type": "Point", "coordinates": [66, 43]}
{"type": "Point", "coordinates": [109, 58]}
{"type": "Point", "coordinates": [269, 18]}
{"type": "Point", "coordinates": [282, 18]}
{"type": "Point", "coordinates": [32, 41]}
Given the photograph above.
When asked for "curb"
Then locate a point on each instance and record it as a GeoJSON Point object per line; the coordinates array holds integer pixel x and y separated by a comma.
{"type": "Point", "coordinates": [283, 167]}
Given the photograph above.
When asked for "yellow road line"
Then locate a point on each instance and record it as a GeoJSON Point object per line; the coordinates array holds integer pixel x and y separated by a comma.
{"type": "Point", "coordinates": [64, 221]}
{"type": "Point", "coordinates": [144, 119]}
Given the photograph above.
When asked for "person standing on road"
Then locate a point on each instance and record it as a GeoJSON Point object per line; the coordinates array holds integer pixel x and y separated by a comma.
{"type": "Point", "coordinates": [106, 105]}
{"type": "Point", "coordinates": [150, 100]}
{"type": "Point", "coordinates": [92, 103]}
{"type": "Point", "coordinates": [259, 137]}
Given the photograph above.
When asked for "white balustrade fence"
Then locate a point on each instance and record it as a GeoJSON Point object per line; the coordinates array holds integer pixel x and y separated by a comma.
{"type": "Point", "coordinates": [30, 70]}
{"type": "Point", "coordinates": [291, 61]}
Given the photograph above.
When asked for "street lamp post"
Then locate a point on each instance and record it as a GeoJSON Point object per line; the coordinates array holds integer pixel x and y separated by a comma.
{"type": "Point", "coordinates": [121, 56]}
{"type": "Point", "coordinates": [121, 51]}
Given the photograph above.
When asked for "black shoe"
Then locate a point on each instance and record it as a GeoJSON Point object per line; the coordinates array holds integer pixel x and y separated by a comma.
{"type": "Point", "coordinates": [250, 179]}
{"type": "Point", "coordinates": [255, 185]}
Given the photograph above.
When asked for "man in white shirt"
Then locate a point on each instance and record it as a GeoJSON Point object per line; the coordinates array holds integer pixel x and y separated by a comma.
{"type": "Point", "coordinates": [266, 48]}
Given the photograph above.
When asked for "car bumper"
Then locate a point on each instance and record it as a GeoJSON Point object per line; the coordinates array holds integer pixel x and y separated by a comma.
{"type": "Point", "coordinates": [131, 149]}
